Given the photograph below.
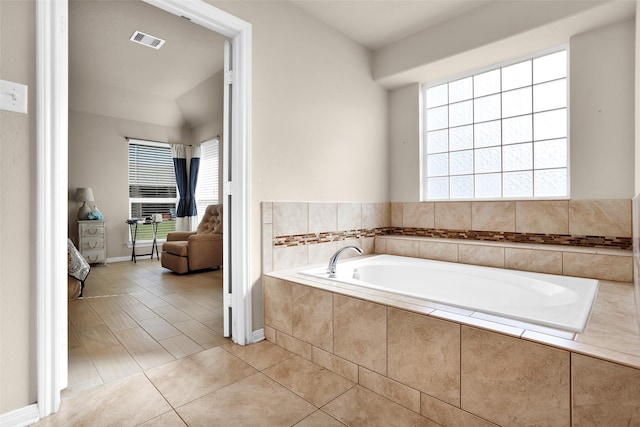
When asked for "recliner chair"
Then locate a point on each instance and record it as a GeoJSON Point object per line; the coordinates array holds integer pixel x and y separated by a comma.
{"type": "Point", "coordinates": [186, 251]}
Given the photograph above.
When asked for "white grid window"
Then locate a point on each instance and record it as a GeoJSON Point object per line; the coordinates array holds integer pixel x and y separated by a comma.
{"type": "Point", "coordinates": [499, 134]}
{"type": "Point", "coordinates": [207, 188]}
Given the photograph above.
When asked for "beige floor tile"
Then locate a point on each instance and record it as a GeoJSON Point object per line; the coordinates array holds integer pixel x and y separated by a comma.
{"type": "Point", "coordinates": [194, 376]}
{"type": "Point", "coordinates": [137, 341]}
{"type": "Point", "coordinates": [361, 407]}
{"type": "Point", "coordinates": [159, 328]}
{"type": "Point", "coordinates": [154, 358]}
{"type": "Point", "coordinates": [216, 324]}
{"type": "Point", "coordinates": [118, 320]}
{"type": "Point", "coordinates": [197, 331]}
{"type": "Point", "coordinates": [314, 383]}
{"type": "Point", "coordinates": [260, 355]}
{"type": "Point", "coordinates": [150, 300]}
{"type": "Point", "coordinates": [103, 304]}
{"type": "Point", "coordinates": [114, 363]}
{"type": "Point", "coordinates": [73, 339]}
{"type": "Point", "coordinates": [170, 419]}
{"type": "Point", "coordinates": [126, 402]}
{"type": "Point", "coordinates": [80, 388]}
{"type": "Point", "coordinates": [253, 401]}
{"type": "Point", "coordinates": [319, 419]}
{"type": "Point", "coordinates": [124, 300]}
{"type": "Point", "coordinates": [139, 312]}
{"type": "Point", "coordinates": [217, 340]}
{"type": "Point", "coordinates": [82, 316]}
{"type": "Point", "coordinates": [81, 367]}
{"type": "Point", "coordinates": [171, 314]}
{"type": "Point", "coordinates": [181, 346]}
{"type": "Point", "coordinates": [97, 338]}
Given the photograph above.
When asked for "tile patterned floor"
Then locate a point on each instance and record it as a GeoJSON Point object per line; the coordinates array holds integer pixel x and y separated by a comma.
{"type": "Point", "coordinates": [145, 349]}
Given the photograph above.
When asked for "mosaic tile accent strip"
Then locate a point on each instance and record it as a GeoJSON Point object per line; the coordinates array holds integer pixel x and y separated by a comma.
{"type": "Point", "coordinates": [624, 243]}
{"type": "Point", "coordinates": [512, 237]}
{"type": "Point", "coordinates": [325, 237]}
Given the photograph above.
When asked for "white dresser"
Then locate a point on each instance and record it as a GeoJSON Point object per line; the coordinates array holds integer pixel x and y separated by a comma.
{"type": "Point", "coordinates": [92, 241]}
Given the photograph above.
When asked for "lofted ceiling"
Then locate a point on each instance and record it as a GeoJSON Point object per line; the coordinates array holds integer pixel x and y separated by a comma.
{"type": "Point", "coordinates": [100, 51]}
{"type": "Point", "coordinates": [379, 23]}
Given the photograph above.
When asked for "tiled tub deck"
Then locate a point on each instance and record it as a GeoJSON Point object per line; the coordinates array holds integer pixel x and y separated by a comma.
{"type": "Point", "coordinates": [460, 370]}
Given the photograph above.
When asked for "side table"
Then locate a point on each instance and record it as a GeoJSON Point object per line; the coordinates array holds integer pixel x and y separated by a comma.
{"type": "Point", "coordinates": [133, 229]}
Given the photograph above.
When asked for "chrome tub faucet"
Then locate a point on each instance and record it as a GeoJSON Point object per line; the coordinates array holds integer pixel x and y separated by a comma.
{"type": "Point", "coordinates": [331, 269]}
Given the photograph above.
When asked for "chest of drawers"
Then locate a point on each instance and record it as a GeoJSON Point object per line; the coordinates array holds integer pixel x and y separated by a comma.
{"type": "Point", "coordinates": [92, 241]}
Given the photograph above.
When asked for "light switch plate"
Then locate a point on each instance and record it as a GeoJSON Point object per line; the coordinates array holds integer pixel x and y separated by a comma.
{"type": "Point", "coordinates": [13, 97]}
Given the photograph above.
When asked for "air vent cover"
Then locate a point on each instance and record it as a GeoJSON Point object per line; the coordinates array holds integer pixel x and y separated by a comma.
{"type": "Point", "coordinates": [146, 40]}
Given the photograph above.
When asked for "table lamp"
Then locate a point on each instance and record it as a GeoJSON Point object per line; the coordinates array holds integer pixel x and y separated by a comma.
{"type": "Point", "coordinates": [84, 195]}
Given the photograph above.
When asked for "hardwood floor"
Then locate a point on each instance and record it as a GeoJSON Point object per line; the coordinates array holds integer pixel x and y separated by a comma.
{"type": "Point", "coordinates": [138, 316]}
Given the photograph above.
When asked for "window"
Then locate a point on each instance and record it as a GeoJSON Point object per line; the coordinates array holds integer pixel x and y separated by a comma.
{"type": "Point", "coordinates": [207, 188]}
{"type": "Point", "coordinates": [498, 134]}
{"type": "Point", "coordinates": [152, 186]}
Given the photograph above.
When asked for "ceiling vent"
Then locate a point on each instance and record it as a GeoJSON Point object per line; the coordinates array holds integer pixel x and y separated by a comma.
{"type": "Point", "coordinates": [147, 40]}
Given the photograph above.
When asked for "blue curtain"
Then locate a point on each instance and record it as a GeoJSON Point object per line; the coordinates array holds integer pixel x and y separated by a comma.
{"type": "Point", "coordinates": [179, 153]}
{"type": "Point", "coordinates": [194, 167]}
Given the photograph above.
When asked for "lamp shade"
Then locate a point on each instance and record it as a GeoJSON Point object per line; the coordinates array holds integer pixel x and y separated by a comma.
{"type": "Point", "coordinates": [84, 195]}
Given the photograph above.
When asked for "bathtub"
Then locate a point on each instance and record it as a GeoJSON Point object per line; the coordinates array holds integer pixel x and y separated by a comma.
{"type": "Point", "coordinates": [547, 300]}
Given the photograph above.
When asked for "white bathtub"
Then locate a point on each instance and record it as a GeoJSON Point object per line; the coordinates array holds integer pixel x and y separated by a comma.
{"type": "Point", "coordinates": [548, 300]}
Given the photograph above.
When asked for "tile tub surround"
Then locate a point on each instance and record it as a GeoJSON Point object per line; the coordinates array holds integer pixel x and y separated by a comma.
{"type": "Point", "coordinates": [303, 233]}
{"type": "Point", "coordinates": [457, 369]}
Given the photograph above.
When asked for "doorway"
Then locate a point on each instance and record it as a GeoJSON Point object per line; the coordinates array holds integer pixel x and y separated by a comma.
{"type": "Point", "coordinates": [52, 145]}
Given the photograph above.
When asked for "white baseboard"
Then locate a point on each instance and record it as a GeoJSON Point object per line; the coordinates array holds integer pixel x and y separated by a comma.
{"type": "Point", "coordinates": [20, 417]}
{"type": "Point", "coordinates": [257, 335]}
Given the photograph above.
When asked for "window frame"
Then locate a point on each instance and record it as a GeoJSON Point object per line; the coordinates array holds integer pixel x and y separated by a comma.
{"type": "Point", "coordinates": [132, 200]}
{"type": "Point", "coordinates": [470, 74]}
{"type": "Point", "coordinates": [216, 187]}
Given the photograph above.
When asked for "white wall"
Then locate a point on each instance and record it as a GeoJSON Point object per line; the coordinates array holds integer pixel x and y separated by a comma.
{"type": "Point", "coordinates": [17, 212]}
{"type": "Point", "coordinates": [319, 119]}
{"type": "Point", "coordinates": [601, 119]}
{"type": "Point", "coordinates": [602, 113]}
{"type": "Point", "coordinates": [98, 158]}
{"type": "Point", "coordinates": [404, 145]}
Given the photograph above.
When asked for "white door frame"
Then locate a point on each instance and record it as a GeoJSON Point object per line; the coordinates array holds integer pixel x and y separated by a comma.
{"type": "Point", "coordinates": [52, 187]}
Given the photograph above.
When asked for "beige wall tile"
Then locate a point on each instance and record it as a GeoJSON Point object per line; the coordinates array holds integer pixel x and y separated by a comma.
{"type": "Point", "coordinates": [510, 381]}
{"type": "Point", "coordinates": [362, 407]}
{"type": "Point", "coordinates": [294, 345]}
{"type": "Point", "coordinates": [336, 364]}
{"type": "Point", "coordinates": [449, 415]}
{"type": "Point", "coordinates": [360, 332]}
{"type": "Point", "coordinates": [278, 304]}
{"type": "Point", "coordinates": [418, 215]}
{"type": "Point", "coordinates": [323, 217]}
{"type": "Point", "coordinates": [604, 393]}
{"type": "Point", "coordinates": [598, 266]}
{"type": "Point", "coordinates": [367, 244]}
{"type": "Point", "coordinates": [493, 216]}
{"type": "Point", "coordinates": [403, 247]}
{"type": "Point", "coordinates": [321, 252]}
{"type": "Point", "coordinates": [490, 256]}
{"type": "Point", "coordinates": [453, 215]}
{"type": "Point", "coordinates": [392, 390]}
{"type": "Point", "coordinates": [424, 353]}
{"type": "Point", "coordinates": [285, 257]}
{"type": "Point", "coordinates": [533, 260]}
{"type": "Point", "coordinates": [380, 245]}
{"type": "Point", "coordinates": [396, 214]}
{"type": "Point", "coordinates": [267, 212]}
{"type": "Point", "coordinates": [376, 215]}
{"type": "Point", "coordinates": [600, 217]}
{"type": "Point", "coordinates": [439, 251]}
{"type": "Point", "coordinates": [349, 216]}
{"type": "Point", "coordinates": [542, 216]}
{"type": "Point", "coordinates": [290, 218]}
{"type": "Point", "coordinates": [267, 248]}
{"type": "Point", "coordinates": [269, 334]}
{"type": "Point", "coordinates": [313, 316]}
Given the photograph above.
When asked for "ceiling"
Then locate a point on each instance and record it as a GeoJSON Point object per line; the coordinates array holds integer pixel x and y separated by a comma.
{"type": "Point", "coordinates": [379, 23]}
{"type": "Point", "coordinates": [100, 51]}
